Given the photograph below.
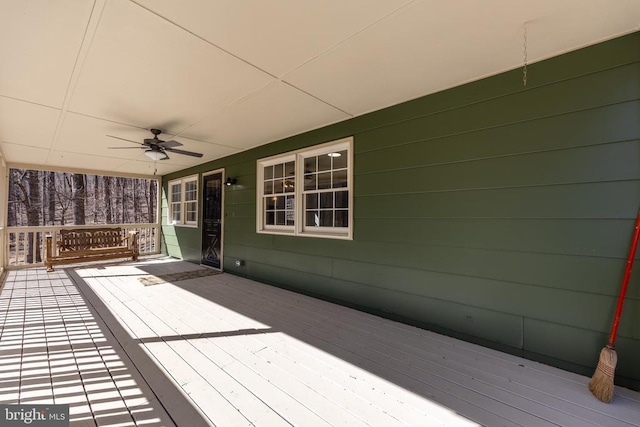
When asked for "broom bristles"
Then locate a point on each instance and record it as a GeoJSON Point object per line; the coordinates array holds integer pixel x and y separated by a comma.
{"type": "Point", "coordinates": [601, 384]}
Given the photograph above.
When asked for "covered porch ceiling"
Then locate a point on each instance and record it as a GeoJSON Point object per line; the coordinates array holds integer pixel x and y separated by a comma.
{"type": "Point", "coordinates": [225, 76]}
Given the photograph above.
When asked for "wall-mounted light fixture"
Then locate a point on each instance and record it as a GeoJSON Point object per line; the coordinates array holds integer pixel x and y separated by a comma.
{"type": "Point", "coordinates": [230, 181]}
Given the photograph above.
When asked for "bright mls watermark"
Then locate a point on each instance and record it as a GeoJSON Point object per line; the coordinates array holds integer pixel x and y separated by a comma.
{"type": "Point", "coordinates": [34, 415]}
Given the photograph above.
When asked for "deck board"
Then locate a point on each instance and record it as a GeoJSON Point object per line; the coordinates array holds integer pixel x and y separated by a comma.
{"type": "Point", "coordinates": [226, 351]}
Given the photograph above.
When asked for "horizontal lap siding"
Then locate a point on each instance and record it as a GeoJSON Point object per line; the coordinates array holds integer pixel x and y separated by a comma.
{"type": "Point", "coordinates": [491, 211]}
{"type": "Point", "coordinates": [521, 205]}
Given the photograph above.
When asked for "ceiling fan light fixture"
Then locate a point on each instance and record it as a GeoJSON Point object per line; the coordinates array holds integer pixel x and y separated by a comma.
{"type": "Point", "coordinates": [155, 154]}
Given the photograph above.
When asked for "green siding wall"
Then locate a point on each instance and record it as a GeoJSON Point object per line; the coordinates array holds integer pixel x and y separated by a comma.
{"type": "Point", "coordinates": [493, 212]}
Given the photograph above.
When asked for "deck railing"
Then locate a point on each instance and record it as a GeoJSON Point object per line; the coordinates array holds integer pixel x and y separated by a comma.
{"type": "Point", "coordinates": [25, 246]}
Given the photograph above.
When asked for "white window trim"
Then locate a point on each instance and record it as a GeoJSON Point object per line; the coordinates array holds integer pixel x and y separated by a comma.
{"type": "Point", "coordinates": [271, 229]}
{"type": "Point", "coordinates": [298, 156]}
{"type": "Point", "coordinates": [183, 203]}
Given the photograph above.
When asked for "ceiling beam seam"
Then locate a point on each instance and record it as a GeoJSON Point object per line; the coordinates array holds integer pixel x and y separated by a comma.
{"type": "Point", "coordinates": [351, 36]}
{"type": "Point", "coordinates": [242, 98]}
{"type": "Point", "coordinates": [218, 111]}
{"type": "Point", "coordinates": [205, 40]}
{"type": "Point", "coordinates": [87, 41]}
{"type": "Point", "coordinates": [26, 101]}
{"type": "Point", "coordinates": [317, 98]}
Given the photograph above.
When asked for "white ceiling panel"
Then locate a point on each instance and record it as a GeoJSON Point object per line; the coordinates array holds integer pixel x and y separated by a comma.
{"type": "Point", "coordinates": [278, 111]}
{"type": "Point", "coordinates": [75, 160]}
{"type": "Point", "coordinates": [93, 134]}
{"type": "Point", "coordinates": [431, 46]}
{"type": "Point", "coordinates": [210, 151]}
{"type": "Point", "coordinates": [39, 46]}
{"type": "Point", "coordinates": [27, 124]}
{"type": "Point", "coordinates": [606, 19]}
{"type": "Point", "coordinates": [15, 153]}
{"type": "Point", "coordinates": [143, 71]}
{"type": "Point", "coordinates": [275, 35]}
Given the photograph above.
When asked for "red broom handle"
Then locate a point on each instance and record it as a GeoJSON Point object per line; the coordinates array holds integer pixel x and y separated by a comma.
{"type": "Point", "coordinates": [625, 282]}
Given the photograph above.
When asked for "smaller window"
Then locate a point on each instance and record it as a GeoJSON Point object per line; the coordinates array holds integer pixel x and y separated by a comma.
{"type": "Point", "coordinates": [278, 193]}
{"type": "Point", "coordinates": [183, 201]}
{"type": "Point", "coordinates": [175, 191]}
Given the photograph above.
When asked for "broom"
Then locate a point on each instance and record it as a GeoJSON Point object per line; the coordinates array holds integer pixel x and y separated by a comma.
{"type": "Point", "coordinates": [601, 384]}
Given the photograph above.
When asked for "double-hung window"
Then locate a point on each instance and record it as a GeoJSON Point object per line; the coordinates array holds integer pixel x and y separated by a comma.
{"type": "Point", "coordinates": [307, 192]}
{"type": "Point", "coordinates": [183, 201]}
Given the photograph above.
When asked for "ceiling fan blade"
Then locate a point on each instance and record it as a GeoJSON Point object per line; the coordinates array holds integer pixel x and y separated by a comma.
{"type": "Point", "coordinates": [169, 144]}
{"type": "Point", "coordinates": [186, 153]}
{"type": "Point", "coordinates": [128, 140]}
{"type": "Point", "coordinates": [126, 148]}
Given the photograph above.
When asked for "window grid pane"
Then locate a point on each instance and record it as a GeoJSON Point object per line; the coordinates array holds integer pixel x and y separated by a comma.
{"type": "Point", "coordinates": [175, 213]}
{"type": "Point", "coordinates": [279, 210]}
{"type": "Point", "coordinates": [279, 178]}
{"type": "Point", "coordinates": [326, 209]}
{"type": "Point", "coordinates": [326, 171]}
{"type": "Point", "coordinates": [191, 211]}
{"type": "Point", "coordinates": [190, 191]}
{"type": "Point", "coordinates": [176, 192]}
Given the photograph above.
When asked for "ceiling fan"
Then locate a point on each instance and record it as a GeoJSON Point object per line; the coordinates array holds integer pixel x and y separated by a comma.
{"type": "Point", "coordinates": [156, 148]}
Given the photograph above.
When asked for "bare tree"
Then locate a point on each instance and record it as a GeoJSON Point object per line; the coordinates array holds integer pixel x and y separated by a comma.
{"type": "Point", "coordinates": [14, 198]}
{"type": "Point", "coordinates": [136, 210]}
{"type": "Point", "coordinates": [64, 196]}
{"type": "Point", "coordinates": [43, 198]}
{"type": "Point", "coordinates": [153, 196]}
{"type": "Point", "coordinates": [123, 192]}
{"type": "Point", "coordinates": [51, 189]}
{"type": "Point", "coordinates": [107, 200]}
{"type": "Point", "coordinates": [78, 199]}
{"type": "Point", "coordinates": [95, 198]}
{"type": "Point", "coordinates": [150, 214]}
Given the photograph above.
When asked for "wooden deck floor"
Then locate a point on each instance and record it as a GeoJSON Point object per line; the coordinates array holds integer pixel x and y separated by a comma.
{"type": "Point", "coordinates": [226, 351]}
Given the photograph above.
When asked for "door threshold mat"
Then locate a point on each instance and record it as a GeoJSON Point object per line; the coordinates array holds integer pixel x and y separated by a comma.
{"type": "Point", "coordinates": [175, 277]}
